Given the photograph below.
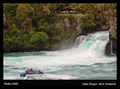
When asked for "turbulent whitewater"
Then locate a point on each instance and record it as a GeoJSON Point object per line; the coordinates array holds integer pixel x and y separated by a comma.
{"type": "Point", "coordinates": [86, 62]}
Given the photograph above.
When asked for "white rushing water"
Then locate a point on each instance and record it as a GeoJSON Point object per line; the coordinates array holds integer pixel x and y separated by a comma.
{"type": "Point", "coordinates": [79, 40]}
{"type": "Point", "coordinates": [85, 62]}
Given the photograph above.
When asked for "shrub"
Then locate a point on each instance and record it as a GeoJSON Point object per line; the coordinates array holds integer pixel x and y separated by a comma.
{"type": "Point", "coordinates": [8, 43]}
{"type": "Point", "coordinates": [15, 32]}
{"type": "Point", "coordinates": [39, 38]}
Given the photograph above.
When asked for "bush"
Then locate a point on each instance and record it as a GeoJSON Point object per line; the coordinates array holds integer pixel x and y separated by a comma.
{"type": "Point", "coordinates": [39, 38]}
{"type": "Point", "coordinates": [88, 20]}
{"type": "Point", "coordinates": [25, 37]}
{"type": "Point", "coordinates": [15, 32]}
{"type": "Point", "coordinates": [7, 43]}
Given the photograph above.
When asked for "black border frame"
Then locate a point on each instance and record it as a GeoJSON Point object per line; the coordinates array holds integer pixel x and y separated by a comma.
{"type": "Point", "coordinates": [54, 82]}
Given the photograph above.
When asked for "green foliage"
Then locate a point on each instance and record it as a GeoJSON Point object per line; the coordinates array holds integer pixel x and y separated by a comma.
{"type": "Point", "coordinates": [25, 37]}
{"type": "Point", "coordinates": [60, 34]}
{"type": "Point", "coordinates": [43, 26]}
{"type": "Point", "coordinates": [61, 6]}
{"type": "Point", "coordinates": [7, 42]}
{"type": "Point", "coordinates": [46, 9]}
{"type": "Point", "coordinates": [15, 32]}
{"type": "Point", "coordinates": [66, 34]}
{"type": "Point", "coordinates": [95, 13]}
{"type": "Point", "coordinates": [39, 38]}
{"type": "Point", "coordinates": [56, 38]}
{"type": "Point", "coordinates": [87, 21]}
{"type": "Point", "coordinates": [31, 31]}
{"type": "Point", "coordinates": [10, 8]}
{"type": "Point", "coordinates": [23, 11]}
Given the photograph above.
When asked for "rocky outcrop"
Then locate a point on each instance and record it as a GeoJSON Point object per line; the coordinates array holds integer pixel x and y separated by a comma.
{"type": "Point", "coordinates": [111, 47]}
{"type": "Point", "coordinates": [66, 22]}
{"type": "Point", "coordinates": [113, 27]}
{"type": "Point", "coordinates": [71, 23]}
{"type": "Point", "coordinates": [93, 29]}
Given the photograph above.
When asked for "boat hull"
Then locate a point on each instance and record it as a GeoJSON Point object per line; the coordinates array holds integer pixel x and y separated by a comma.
{"type": "Point", "coordinates": [31, 73]}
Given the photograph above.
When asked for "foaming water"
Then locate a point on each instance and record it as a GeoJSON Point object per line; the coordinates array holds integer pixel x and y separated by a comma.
{"type": "Point", "coordinates": [85, 62]}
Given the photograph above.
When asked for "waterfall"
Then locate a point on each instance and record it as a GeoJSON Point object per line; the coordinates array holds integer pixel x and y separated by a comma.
{"type": "Point", "coordinates": [94, 43]}
{"type": "Point", "coordinates": [79, 40]}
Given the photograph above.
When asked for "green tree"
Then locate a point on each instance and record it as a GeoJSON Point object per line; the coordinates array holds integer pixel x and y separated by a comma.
{"type": "Point", "coordinates": [10, 8]}
{"type": "Point", "coordinates": [25, 37]}
{"type": "Point", "coordinates": [15, 32]}
{"type": "Point", "coordinates": [39, 38]}
{"type": "Point", "coordinates": [7, 42]}
{"type": "Point", "coordinates": [23, 11]}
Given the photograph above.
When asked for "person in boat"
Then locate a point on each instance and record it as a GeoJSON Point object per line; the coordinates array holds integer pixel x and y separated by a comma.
{"type": "Point", "coordinates": [31, 69]}
{"type": "Point", "coordinates": [27, 71]}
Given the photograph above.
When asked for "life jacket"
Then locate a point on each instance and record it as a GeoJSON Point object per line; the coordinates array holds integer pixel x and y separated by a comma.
{"type": "Point", "coordinates": [27, 71]}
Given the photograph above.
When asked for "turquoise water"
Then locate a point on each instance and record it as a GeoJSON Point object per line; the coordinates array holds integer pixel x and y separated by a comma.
{"type": "Point", "coordinates": [87, 62]}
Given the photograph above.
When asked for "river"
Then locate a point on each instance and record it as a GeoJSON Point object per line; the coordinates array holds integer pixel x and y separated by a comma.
{"type": "Point", "coordinates": [86, 62]}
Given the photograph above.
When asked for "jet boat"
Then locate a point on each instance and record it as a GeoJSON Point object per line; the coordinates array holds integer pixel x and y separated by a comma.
{"type": "Point", "coordinates": [31, 73]}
